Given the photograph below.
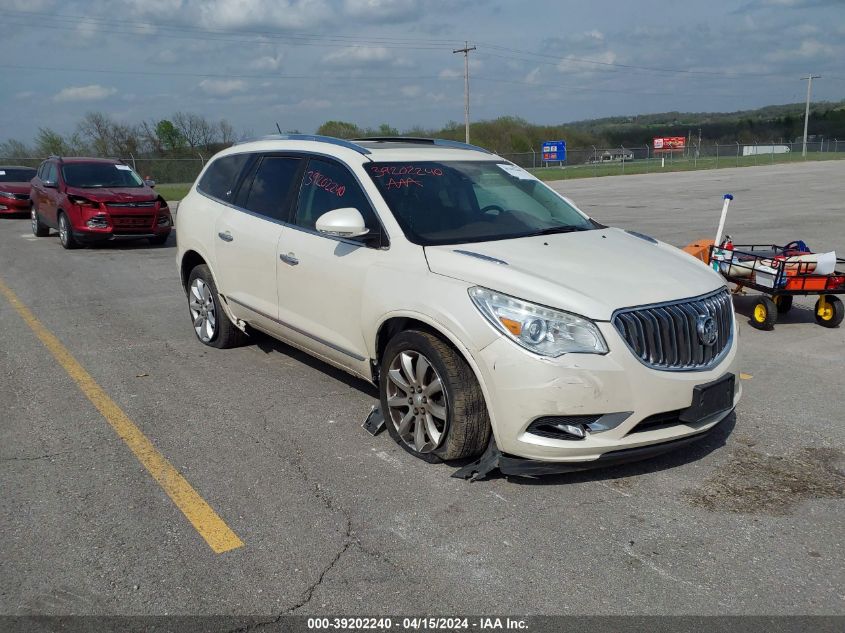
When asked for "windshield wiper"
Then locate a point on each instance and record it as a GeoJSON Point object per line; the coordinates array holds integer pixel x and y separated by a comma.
{"type": "Point", "coordinates": [565, 228]}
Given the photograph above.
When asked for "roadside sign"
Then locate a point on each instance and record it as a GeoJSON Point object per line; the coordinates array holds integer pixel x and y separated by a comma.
{"type": "Point", "coordinates": [554, 150]}
{"type": "Point", "coordinates": [669, 143]}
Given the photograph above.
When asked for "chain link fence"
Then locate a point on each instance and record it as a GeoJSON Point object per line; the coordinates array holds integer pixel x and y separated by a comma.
{"type": "Point", "coordinates": [580, 162]}
{"type": "Point", "coordinates": [643, 159]}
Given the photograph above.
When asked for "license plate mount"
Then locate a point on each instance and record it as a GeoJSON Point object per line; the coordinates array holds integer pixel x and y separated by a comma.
{"type": "Point", "coordinates": [709, 399]}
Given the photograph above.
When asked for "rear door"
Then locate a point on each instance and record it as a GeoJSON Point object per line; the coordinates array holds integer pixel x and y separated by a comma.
{"type": "Point", "coordinates": [247, 238]}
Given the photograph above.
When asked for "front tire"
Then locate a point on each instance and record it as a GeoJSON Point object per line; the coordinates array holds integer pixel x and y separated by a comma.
{"type": "Point", "coordinates": [66, 238]}
{"type": "Point", "coordinates": [211, 324]}
{"type": "Point", "coordinates": [38, 229]}
{"type": "Point", "coordinates": [764, 314]}
{"type": "Point", "coordinates": [432, 403]}
{"type": "Point", "coordinates": [158, 240]}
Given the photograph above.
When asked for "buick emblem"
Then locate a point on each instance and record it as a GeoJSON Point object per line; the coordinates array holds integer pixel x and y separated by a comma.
{"type": "Point", "coordinates": [707, 331]}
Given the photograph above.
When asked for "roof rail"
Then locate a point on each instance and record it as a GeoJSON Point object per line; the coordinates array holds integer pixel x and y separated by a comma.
{"type": "Point", "coordinates": [309, 137]}
{"type": "Point", "coordinates": [440, 142]}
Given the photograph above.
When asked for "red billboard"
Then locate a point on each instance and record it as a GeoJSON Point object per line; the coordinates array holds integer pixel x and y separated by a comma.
{"type": "Point", "coordinates": [669, 143]}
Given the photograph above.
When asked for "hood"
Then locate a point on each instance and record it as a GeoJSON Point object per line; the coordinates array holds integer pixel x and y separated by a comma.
{"type": "Point", "coordinates": [15, 187]}
{"type": "Point", "coordinates": [114, 194]}
{"type": "Point", "coordinates": [591, 273]}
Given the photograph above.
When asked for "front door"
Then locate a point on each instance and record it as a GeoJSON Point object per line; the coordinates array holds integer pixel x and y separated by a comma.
{"type": "Point", "coordinates": [322, 279]}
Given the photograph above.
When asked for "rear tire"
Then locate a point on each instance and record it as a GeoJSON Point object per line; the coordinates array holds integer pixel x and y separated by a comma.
{"type": "Point", "coordinates": [38, 229]}
{"type": "Point", "coordinates": [432, 403]}
{"type": "Point", "coordinates": [159, 240]}
{"type": "Point", "coordinates": [784, 303]}
{"type": "Point", "coordinates": [831, 315]}
{"type": "Point", "coordinates": [764, 314]}
{"type": "Point", "coordinates": [211, 324]}
{"type": "Point", "coordinates": [66, 238]}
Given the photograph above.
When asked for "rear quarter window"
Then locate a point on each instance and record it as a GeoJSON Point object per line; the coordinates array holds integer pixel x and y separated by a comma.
{"type": "Point", "coordinates": [221, 177]}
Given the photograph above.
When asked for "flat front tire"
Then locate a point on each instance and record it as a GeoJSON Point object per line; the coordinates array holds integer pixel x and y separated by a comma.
{"type": "Point", "coordinates": [211, 324]}
{"type": "Point", "coordinates": [432, 403]}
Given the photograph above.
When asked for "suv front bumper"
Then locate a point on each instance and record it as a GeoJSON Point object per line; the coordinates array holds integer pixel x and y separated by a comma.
{"type": "Point", "coordinates": [521, 387]}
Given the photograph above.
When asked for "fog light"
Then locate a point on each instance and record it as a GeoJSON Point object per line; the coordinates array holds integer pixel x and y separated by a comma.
{"type": "Point", "coordinates": [98, 222]}
{"type": "Point", "coordinates": [164, 220]}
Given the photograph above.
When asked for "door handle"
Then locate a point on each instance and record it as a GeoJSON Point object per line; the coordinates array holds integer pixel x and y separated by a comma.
{"type": "Point", "coordinates": [289, 259]}
{"type": "Point", "coordinates": [226, 237]}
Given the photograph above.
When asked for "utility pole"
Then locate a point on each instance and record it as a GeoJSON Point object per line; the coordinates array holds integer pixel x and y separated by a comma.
{"type": "Point", "coordinates": [465, 50]}
{"type": "Point", "coordinates": [809, 80]}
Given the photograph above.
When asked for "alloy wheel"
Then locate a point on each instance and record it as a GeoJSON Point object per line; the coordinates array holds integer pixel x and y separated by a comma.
{"type": "Point", "coordinates": [416, 401]}
{"type": "Point", "coordinates": [64, 230]}
{"type": "Point", "coordinates": [203, 310]}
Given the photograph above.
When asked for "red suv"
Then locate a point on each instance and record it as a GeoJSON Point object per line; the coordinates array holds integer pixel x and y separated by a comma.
{"type": "Point", "coordinates": [93, 200]}
{"type": "Point", "coordinates": [14, 189]}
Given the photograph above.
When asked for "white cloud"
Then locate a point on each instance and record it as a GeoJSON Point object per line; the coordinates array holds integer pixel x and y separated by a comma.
{"type": "Point", "coordinates": [383, 10]}
{"type": "Point", "coordinates": [810, 48]}
{"type": "Point", "coordinates": [411, 91]}
{"type": "Point", "coordinates": [267, 62]}
{"type": "Point", "coordinates": [24, 95]}
{"type": "Point", "coordinates": [222, 87]}
{"type": "Point", "coordinates": [450, 73]}
{"type": "Point", "coordinates": [94, 92]}
{"type": "Point", "coordinates": [533, 76]}
{"type": "Point", "coordinates": [358, 55]}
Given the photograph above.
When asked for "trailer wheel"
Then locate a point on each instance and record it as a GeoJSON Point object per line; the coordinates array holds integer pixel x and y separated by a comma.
{"type": "Point", "coordinates": [784, 303]}
{"type": "Point", "coordinates": [765, 314]}
{"type": "Point", "coordinates": [829, 311]}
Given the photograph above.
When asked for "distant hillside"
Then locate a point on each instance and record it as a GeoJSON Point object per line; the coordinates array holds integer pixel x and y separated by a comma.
{"type": "Point", "coordinates": [512, 134]}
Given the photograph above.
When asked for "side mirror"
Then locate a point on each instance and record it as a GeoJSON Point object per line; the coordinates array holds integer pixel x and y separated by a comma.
{"type": "Point", "coordinates": [49, 184]}
{"type": "Point", "coordinates": [150, 182]}
{"type": "Point", "coordinates": [345, 222]}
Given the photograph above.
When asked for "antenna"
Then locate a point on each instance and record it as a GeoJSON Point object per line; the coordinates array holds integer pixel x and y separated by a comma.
{"type": "Point", "coordinates": [278, 128]}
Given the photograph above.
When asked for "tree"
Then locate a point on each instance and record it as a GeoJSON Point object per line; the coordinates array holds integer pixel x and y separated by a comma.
{"type": "Point", "coordinates": [48, 142]}
{"type": "Point", "coordinates": [227, 132]}
{"type": "Point", "coordinates": [339, 129]}
{"type": "Point", "coordinates": [169, 136]}
{"type": "Point", "coordinates": [15, 149]}
{"type": "Point", "coordinates": [195, 129]}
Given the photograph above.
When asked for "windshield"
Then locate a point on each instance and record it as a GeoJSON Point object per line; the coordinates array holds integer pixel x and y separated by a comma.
{"type": "Point", "coordinates": [16, 174]}
{"type": "Point", "coordinates": [92, 175]}
{"type": "Point", "coordinates": [461, 201]}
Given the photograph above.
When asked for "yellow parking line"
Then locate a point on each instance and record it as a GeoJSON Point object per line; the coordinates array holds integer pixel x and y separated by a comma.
{"type": "Point", "coordinates": [205, 520]}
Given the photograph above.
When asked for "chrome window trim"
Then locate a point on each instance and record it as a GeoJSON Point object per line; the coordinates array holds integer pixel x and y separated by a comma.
{"type": "Point", "coordinates": [307, 154]}
{"type": "Point", "coordinates": [676, 302]}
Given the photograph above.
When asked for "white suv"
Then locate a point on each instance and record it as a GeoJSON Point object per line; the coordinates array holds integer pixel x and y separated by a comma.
{"type": "Point", "coordinates": [474, 296]}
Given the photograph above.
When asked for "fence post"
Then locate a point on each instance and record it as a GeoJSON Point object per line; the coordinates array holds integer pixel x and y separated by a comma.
{"type": "Point", "coordinates": [533, 158]}
{"type": "Point", "coordinates": [737, 153]}
{"type": "Point", "coordinates": [595, 173]}
{"type": "Point", "coordinates": [134, 168]}
{"type": "Point", "coordinates": [717, 155]}
{"type": "Point", "coordinates": [622, 147]}
{"type": "Point", "coordinates": [647, 159]}
{"type": "Point", "coordinates": [202, 160]}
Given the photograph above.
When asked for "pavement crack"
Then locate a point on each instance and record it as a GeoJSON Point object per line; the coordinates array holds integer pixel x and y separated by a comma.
{"type": "Point", "coordinates": [35, 458]}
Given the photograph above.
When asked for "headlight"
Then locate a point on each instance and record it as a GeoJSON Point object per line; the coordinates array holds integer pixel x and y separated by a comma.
{"type": "Point", "coordinates": [6, 194]}
{"type": "Point", "coordinates": [536, 328]}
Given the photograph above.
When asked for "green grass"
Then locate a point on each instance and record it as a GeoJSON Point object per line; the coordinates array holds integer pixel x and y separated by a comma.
{"type": "Point", "coordinates": [652, 165]}
{"type": "Point", "coordinates": [175, 191]}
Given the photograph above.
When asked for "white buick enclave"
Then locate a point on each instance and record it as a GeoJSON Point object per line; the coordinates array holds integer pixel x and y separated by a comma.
{"type": "Point", "coordinates": [490, 312]}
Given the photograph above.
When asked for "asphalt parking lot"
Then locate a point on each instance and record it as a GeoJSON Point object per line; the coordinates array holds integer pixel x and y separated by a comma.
{"type": "Point", "coordinates": [335, 521]}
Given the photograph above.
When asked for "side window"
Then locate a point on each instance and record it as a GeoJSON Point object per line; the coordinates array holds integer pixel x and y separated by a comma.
{"type": "Point", "coordinates": [41, 170]}
{"type": "Point", "coordinates": [327, 186]}
{"type": "Point", "coordinates": [269, 194]}
{"type": "Point", "coordinates": [221, 176]}
{"type": "Point", "coordinates": [52, 173]}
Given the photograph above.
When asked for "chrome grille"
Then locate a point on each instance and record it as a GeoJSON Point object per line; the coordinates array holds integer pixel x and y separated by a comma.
{"type": "Point", "coordinates": [665, 336]}
{"type": "Point", "coordinates": [133, 205]}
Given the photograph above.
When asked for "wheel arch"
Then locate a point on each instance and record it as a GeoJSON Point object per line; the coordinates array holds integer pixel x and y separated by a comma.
{"type": "Point", "coordinates": [395, 322]}
{"type": "Point", "coordinates": [190, 260]}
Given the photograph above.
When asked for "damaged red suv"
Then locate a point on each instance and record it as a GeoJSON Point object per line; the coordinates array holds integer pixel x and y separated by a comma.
{"type": "Point", "coordinates": [14, 189]}
{"type": "Point", "coordinates": [93, 200]}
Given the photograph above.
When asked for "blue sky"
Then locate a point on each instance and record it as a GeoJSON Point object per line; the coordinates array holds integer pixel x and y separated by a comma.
{"type": "Point", "coordinates": [301, 62]}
